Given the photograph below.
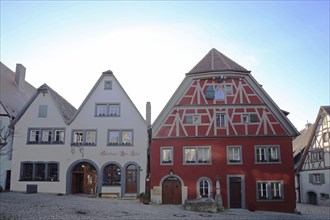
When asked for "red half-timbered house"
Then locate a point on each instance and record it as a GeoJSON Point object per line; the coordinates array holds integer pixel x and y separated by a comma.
{"type": "Point", "coordinates": [220, 127]}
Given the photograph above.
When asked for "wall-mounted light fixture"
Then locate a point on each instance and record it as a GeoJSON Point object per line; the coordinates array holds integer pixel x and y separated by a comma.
{"type": "Point", "coordinates": [171, 171]}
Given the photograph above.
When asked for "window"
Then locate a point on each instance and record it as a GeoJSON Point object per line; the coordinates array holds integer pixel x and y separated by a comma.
{"type": "Point", "coordinates": [42, 112]}
{"type": "Point", "coordinates": [204, 187]}
{"type": "Point", "coordinates": [219, 94]}
{"type": "Point", "coordinates": [59, 136]}
{"type": "Point", "coordinates": [234, 155]}
{"type": "Point", "coordinates": [193, 119]}
{"type": "Point", "coordinates": [120, 137]}
{"type": "Point", "coordinates": [267, 154]}
{"type": "Point", "coordinates": [52, 172]}
{"type": "Point", "coordinates": [209, 93]}
{"type": "Point", "coordinates": [221, 120]}
{"type": "Point", "coordinates": [46, 136]}
{"type": "Point", "coordinates": [197, 155]}
{"type": "Point", "coordinates": [107, 110]}
{"type": "Point", "coordinates": [317, 178]}
{"type": "Point", "coordinates": [84, 137]}
{"type": "Point", "coordinates": [269, 190]}
{"type": "Point", "coordinates": [249, 118]}
{"type": "Point", "coordinates": [34, 136]}
{"type": "Point", "coordinates": [112, 175]}
{"type": "Point", "coordinates": [27, 171]}
{"type": "Point", "coordinates": [229, 89]}
{"type": "Point", "coordinates": [39, 171]}
{"type": "Point", "coordinates": [326, 138]}
{"type": "Point", "coordinates": [166, 155]}
{"type": "Point", "coordinates": [107, 85]}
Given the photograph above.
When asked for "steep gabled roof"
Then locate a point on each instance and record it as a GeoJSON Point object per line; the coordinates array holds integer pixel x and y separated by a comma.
{"type": "Point", "coordinates": [65, 109]}
{"type": "Point", "coordinates": [323, 110]}
{"type": "Point", "coordinates": [12, 98]}
{"type": "Point", "coordinates": [214, 61]}
{"type": "Point", "coordinates": [109, 72]}
{"type": "Point", "coordinates": [215, 64]}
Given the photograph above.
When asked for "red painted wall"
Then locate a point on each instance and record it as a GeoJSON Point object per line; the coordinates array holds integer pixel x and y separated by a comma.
{"type": "Point", "coordinates": [253, 172]}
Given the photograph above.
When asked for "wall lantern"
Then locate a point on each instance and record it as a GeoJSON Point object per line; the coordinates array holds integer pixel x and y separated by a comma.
{"type": "Point", "coordinates": [171, 171]}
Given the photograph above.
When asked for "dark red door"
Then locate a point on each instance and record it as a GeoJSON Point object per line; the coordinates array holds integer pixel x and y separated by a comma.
{"type": "Point", "coordinates": [171, 191]}
{"type": "Point", "coordinates": [131, 179]}
{"type": "Point", "coordinates": [235, 192]}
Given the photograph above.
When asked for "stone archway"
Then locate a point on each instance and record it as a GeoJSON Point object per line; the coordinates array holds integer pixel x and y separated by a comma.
{"type": "Point", "coordinates": [171, 190]}
{"type": "Point", "coordinates": [83, 178]}
{"type": "Point", "coordinates": [312, 198]}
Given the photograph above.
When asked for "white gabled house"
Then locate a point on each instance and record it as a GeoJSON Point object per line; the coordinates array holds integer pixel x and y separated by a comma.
{"type": "Point", "coordinates": [314, 166]}
{"type": "Point", "coordinates": [99, 148]}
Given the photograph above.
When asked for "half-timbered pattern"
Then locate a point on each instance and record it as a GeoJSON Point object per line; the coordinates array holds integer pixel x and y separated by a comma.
{"type": "Point", "coordinates": [314, 169]}
{"type": "Point", "coordinates": [221, 122]}
{"type": "Point", "coordinates": [100, 148]}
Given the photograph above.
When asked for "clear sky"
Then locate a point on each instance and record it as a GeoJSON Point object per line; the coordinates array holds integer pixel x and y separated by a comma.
{"type": "Point", "coordinates": [150, 45]}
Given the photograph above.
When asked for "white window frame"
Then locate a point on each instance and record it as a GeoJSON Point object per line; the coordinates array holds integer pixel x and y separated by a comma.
{"type": "Point", "coordinates": [265, 154]}
{"type": "Point", "coordinates": [202, 188]}
{"type": "Point", "coordinates": [234, 155]}
{"type": "Point", "coordinates": [107, 110]}
{"type": "Point", "coordinates": [198, 155]}
{"type": "Point", "coordinates": [270, 190]}
{"type": "Point", "coordinates": [169, 154]}
{"type": "Point", "coordinates": [83, 137]}
{"type": "Point", "coordinates": [221, 120]}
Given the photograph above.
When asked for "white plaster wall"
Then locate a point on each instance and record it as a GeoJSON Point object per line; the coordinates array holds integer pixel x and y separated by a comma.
{"type": "Point", "coordinates": [306, 187]}
{"type": "Point", "coordinates": [5, 162]}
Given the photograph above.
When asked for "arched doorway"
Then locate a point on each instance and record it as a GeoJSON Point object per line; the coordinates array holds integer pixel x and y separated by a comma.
{"type": "Point", "coordinates": [131, 179]}
{"type": "Point", "coordinates": [171, 191]}
{"type": "Point", "coordinates": [83, 178]}
{"type": "Point", "coordinates": [312, 198]}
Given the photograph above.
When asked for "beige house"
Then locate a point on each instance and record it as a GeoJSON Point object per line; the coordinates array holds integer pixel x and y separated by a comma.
{"type": "Point", "coordinates": [14, 93]}
{"type": "Point", "coordinates": [99, 148]}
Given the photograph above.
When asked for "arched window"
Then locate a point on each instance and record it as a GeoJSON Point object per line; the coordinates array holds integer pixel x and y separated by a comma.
{"type": "Point", "coordinates": [219, 94]}
{"type": "Point", "coordinates": [204, 187]}
{"type": "Point", "coordinates": [112, 175]}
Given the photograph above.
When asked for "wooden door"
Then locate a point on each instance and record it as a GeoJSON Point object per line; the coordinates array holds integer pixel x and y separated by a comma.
{"type": "Point", "coordinates": [235, 192]}
{"type": "Point", "coordinates": [171, 191]}
{"type": "Point", "coordinates": [131, 179]}
{"type": "Point", "coordinates": [312, 198]}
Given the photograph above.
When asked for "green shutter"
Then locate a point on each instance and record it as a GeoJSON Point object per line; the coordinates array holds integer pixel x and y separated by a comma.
{"type": "Point", "coordinates": [322, 178]}
{"type": "Point", "coordinates": [310, 178]}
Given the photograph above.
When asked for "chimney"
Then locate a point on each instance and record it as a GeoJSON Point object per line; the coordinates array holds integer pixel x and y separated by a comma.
{"type": "Point", "coordinates": [20, 76]}
{"type": "Point", "coordinates": [307, 125]}
{"type": "Point", "coordinates": [148, 114]}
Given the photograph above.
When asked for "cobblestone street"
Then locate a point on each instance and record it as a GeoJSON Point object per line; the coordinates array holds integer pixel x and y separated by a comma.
{"type": "Point", "coordinates": [15, 205]}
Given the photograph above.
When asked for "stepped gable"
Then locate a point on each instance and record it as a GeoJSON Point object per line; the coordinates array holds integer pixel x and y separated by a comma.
{"type": "Point", "coordinates": [214, 61]}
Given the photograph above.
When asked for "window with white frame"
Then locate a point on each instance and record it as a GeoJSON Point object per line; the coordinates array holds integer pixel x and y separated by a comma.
{"type": "Point", "coordinates": [197, 155]}
{"type": "Point", "coordinates": [107, 110]}
{"type": "Point", "coordinates": [269, 190]}
{"type": "Point", "coordinates": [193, 119]}
{"type": "Point", "coordinates": [221, 120]}
{"type": "Point", "coordinates": [45, 136]}
{"type": "Point", "coordinates": [229, 89]}
{"type": "Point", "coordinates": [204, 188]}
{"type": "Point", "coordinates": [84, 137]}
{"type": "Point", "coordinates": [59, 136]}
{"type": "Point", "coordinates": [219, 94]}
{"type": "Point", "coordinates": [267, 153]}
{"type": "Point", "coordinates": [120, 137]}
{"type": "Point", "coordinates": [234, 154]}
{"type": "Point", "coordinates": [166, 155]}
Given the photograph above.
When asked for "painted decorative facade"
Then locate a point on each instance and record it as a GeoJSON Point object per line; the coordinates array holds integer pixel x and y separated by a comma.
{"type": "Point", "coordinates": [221, 123]}
{"type": "Point", "coordinates": [99, 148]}
{"type": "Point", "coordinates": [314, 168]}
